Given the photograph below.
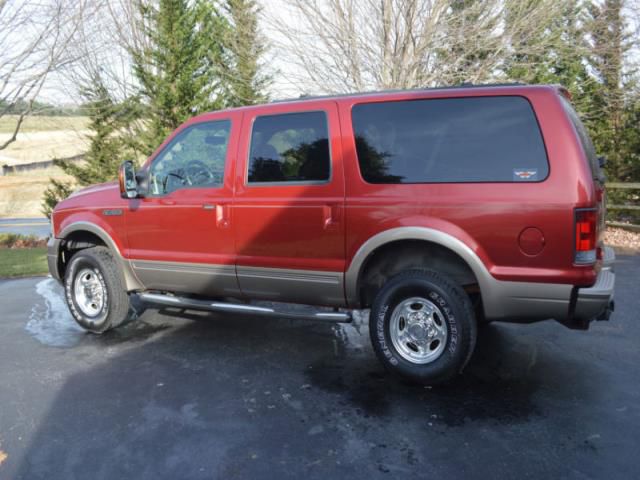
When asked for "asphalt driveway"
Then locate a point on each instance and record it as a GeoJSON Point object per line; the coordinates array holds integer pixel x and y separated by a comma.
{"type": "Point", "coordinates": [214, 396]}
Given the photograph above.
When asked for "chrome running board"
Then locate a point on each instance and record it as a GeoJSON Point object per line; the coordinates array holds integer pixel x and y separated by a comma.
{"type": "Point", "coordinates": [223, 307]}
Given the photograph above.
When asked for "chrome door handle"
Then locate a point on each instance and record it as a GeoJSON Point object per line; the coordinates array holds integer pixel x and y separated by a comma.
{"type": "Point", "coordinates": [221, 213]}
{"type": "Point", "coordinates": [330, 215]}
{"type": "Point", "coordinates": [222, 220]}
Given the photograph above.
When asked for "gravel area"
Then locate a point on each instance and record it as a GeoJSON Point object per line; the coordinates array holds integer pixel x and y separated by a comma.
{"type": "Point", "coordinates": [623, 239]}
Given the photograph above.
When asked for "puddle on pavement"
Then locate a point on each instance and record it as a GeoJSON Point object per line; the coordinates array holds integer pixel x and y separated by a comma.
{"type": "Point", "coordinates": [497, 386]}
{"type": "Point", "coordinates": [50, 321]}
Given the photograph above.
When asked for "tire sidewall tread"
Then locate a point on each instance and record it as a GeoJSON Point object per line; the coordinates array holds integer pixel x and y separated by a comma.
{"type": "Point", "coordinates": [117, 301]}
{"type": "Point", "coordinates": [456, 308]}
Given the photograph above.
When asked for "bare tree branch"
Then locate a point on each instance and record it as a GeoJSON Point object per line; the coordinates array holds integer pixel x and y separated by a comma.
{"type": "Point", "coordinates": [332, 46]}
{"type": "Point", "coordinates": [34, 41]}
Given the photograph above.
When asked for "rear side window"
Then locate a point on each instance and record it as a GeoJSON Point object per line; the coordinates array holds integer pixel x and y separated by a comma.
{"type": "Point", "coordinates": [585, 140]}
{"type": "Point", "coordinates": [293, 147]}
{"type": "Point", "coordinates": [473, 139]}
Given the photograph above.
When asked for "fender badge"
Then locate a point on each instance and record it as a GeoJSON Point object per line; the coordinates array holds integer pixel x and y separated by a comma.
{"type": "Point", "coordinates": [113, 212]}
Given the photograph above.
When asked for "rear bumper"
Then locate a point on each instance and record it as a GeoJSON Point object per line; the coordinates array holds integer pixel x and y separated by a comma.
{"type": "Point", "coordinates": [574, 307]}
{"type": "Point", "coordinates": [53, 252]}
{"type": "Point", "coordinates": [596, 302]}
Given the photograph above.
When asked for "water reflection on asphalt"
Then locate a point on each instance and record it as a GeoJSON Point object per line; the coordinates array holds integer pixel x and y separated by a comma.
{"type": "Point", "coordinates": [499, 384]}
{"type": "Point", "coordinates": [50, 321]}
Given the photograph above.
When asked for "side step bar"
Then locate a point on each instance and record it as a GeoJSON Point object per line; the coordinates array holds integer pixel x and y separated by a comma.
{"type": "Point", "coordinates": [214, 306]}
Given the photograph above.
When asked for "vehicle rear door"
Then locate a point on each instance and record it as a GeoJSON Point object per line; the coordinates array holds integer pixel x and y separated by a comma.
{"type": "Point", "coordinates": [289, 204]}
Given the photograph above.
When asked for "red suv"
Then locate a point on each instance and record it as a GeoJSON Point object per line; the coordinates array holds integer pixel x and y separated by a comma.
{"type": "Point", "coordinates": [437, 209]}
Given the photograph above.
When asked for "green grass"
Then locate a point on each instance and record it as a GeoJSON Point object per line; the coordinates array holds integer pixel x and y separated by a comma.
{"type": "Point", "coordinates": [23, 262]}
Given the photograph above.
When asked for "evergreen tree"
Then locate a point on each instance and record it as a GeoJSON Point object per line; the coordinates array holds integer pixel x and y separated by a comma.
{"type": "Point", "coordinates": [243, 81]}
{"type": "Point", "coordinates": [587, 45]}
{"type": "Point", "coordinates": [562, 61]}
{"type": "Point", "coordinates": [55, 192]}
{"type": "Point", "coordinates": [609, 45]}
{"type": "Point", "coordinates": [107, 148]}
{"type": "Point", "coordinates": [197, 59]}
{"type": "Point", "coordinates": [178, 73]}
{"type": "Point", "coordinates": [468, 47]}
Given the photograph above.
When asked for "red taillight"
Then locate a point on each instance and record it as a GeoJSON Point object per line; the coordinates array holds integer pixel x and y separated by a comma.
{"type": "Point", "coordinates": [586, 236]}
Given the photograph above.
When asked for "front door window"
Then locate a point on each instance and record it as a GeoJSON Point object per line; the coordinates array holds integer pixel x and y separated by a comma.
{"type": "Point", "coordinates": [193, 159]}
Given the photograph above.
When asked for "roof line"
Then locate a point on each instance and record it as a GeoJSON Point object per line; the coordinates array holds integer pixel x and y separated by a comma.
{"type": "Point", "coordinates": [399, 90]}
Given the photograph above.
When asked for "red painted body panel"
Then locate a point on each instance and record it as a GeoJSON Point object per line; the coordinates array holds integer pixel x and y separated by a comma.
{"type": "Point", "coordinates": [320, 227]}
{"type": "Point", "coordinates": [89, 205]}
{"type": "Point", "coordinates": [286, 225]}
{"type": "Point", "coordinates": [189, 225]}
{"type": "Point", "coordinates": [488, 217]}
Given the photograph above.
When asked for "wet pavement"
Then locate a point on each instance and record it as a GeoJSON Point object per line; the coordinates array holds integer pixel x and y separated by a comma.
{"type": "Point", "coordinates": [211, 396]}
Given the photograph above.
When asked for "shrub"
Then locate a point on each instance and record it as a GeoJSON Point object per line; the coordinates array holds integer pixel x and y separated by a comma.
{"type": "Point", "coordinates": [14, 240]}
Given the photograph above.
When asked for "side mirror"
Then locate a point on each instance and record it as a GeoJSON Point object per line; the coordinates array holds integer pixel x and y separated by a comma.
{"type": "Point", "coordinates": [127, 180]}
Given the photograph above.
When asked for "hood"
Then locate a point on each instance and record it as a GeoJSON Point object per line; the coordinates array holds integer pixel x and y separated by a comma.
{"type": "Point", "coordinates": [104, 194]}
{"type": "Point", "coordinates": [101, 187]}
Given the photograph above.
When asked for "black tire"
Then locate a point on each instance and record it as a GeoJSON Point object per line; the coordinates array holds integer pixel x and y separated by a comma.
{"type": "Point", "coordinates": [455, 309]}
{"type": "Point", "coordinates": [99, 265]}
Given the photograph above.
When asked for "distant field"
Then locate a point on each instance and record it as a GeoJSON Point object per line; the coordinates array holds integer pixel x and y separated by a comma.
{"type": "Point", "coordinates": [40, 138]}
{"type": "Point", "coordinates": [42, 123]}
{"type": "Point", "coordinates": [21, 193]}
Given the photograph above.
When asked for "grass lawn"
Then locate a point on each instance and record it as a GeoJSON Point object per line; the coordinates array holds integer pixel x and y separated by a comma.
{"type": "Point", "coordinates": [23, 262]}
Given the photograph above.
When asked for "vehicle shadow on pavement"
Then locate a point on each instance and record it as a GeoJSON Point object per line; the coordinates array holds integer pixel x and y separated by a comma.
{"type": "Point", "coordinates": [207, 396]}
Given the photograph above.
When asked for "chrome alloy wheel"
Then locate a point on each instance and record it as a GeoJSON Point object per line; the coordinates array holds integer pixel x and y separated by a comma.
{"type": "Point", "coordinates": [89, 292]}
{"type": "Point", "coordinates": [418, 330]}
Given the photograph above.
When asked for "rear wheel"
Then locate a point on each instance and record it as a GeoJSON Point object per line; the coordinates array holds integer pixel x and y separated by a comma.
{"type": "Point", "coordinates": [422, 326]}
{"type": "Point", "coordinates": [95, 290]}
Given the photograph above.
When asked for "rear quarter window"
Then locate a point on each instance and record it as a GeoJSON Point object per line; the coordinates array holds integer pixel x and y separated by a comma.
{"type": "Point", "coordinates": [585, 140]}
{"type": "Point", "coordinates": [473, 139]}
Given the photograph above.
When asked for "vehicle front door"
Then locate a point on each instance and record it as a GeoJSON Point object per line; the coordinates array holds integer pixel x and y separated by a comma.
{"type": "Point", "coordinates": [180, 234]}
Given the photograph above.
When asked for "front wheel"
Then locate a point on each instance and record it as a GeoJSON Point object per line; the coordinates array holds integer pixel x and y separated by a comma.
{"type": "Point", "coordinates": [95, 290]}
{"type": "Point", "coordinates": [422, 326]}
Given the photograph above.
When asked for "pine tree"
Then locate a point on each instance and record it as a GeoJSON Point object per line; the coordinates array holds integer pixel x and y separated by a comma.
{"type": "Point", "coordinates": [244, 83]}
{"type": "Point", "coordinates": [609, 45]}
{"type": "Point", "coordinates": [107, 148]}
{"type": "Point", "coordinates": [198, 59]}
{"type": "Point", "coordinates": [468, 51]}
{"type": "Point", "coordinates": [55, 192]}
{"type": "Point", "coordinates": [557, 55]}
{"type": "Point", "coordinates": [178, 73]}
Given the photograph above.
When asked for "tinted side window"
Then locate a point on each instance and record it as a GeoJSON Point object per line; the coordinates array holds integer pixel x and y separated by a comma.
{"type": "Point", "coordinates": [194, 158]}
{"type": "Point", "coordinates": [473, 139]}
{"type": "Point", "coordinates": [292, 147]}
{"type": "Point", "coordinates": [585, 140]}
